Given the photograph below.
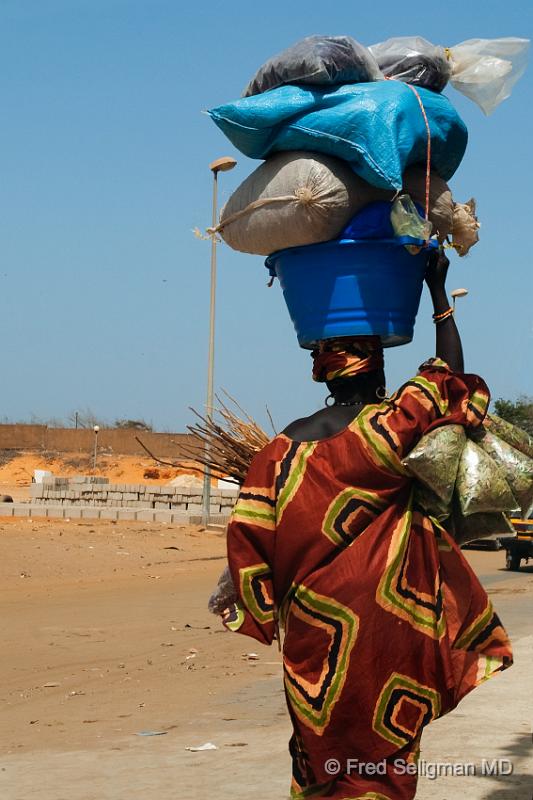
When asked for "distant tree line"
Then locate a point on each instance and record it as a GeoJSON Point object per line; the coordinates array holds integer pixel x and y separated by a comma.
{"type": "Point", "coordinates": [519, 412]}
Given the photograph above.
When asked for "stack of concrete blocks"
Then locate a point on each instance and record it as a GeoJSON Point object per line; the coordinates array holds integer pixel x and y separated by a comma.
{"type": "Point", "coordinates": [95, 491]}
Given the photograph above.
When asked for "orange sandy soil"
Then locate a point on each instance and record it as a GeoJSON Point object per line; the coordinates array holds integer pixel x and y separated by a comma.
{"type": "Point", "coordinates": [16, 474]}
{"type": "Point", "coordinates": [105, 633]}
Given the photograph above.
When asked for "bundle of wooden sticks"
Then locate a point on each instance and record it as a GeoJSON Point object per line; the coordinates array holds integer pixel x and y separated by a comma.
{"type": "Point", "coordinates": [226, 442]}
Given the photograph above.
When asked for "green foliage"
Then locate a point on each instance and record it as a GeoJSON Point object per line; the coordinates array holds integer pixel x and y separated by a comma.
{"type": "Point", "coordinates": [132, 424]}
{"type": "Point", "coordinates": [519, 412]}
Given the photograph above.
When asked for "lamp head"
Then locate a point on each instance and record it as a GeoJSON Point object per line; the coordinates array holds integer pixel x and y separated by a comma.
{"type": "Point", "coordinates": [459, 292]}
{"type": "Point", "coordinates": [96, 428]}
{"type": "Point", "coordinates": [223, 164]}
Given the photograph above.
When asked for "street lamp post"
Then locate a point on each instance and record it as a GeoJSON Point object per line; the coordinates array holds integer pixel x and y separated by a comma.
{"type": "Point", "coordinates": [220, 165]}
{"type": "Point", "coordinates": [458, 293]}
{"type": "Point", "coordinates": [96, 428]}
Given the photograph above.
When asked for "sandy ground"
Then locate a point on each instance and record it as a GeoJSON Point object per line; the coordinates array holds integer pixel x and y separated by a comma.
{"type": "Point", "coordinates": [106, 636]}
{"type": "Point", "coordinates": [16, 472]}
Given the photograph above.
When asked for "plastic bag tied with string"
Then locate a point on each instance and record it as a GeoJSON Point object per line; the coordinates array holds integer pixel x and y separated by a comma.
{"type": "Point", "coordinates": [515, 466]}
{"type": "Point", "coordinates": [473, 484]}
{"type": "Point", "coordinates": [485, 70]}
{"type": "Point", "coordinates": [481, 485]}
{"type": "Point", "coordinates": [414, 60]}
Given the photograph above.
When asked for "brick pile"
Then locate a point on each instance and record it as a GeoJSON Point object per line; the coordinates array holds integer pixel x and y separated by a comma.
{"type": "Point", "coordinates": [96, 491]}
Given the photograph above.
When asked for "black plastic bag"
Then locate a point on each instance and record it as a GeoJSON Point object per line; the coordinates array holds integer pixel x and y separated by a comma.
{"type": "Point", "coordinates": [318, 60]}
{"type": "Point", "coordinates": [414, 60]}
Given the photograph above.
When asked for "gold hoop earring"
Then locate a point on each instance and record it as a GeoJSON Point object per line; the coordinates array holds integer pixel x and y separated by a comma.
{"type": "Point", "coordinates": [381, 393]}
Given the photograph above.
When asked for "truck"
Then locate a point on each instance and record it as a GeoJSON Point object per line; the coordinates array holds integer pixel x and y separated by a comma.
{"type": "Point", "coordinates": [519, 546]}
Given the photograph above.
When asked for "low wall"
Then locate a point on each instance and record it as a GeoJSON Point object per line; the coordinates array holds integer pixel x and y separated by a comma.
{"type": "Point", "coordinates": [98, 492]}
{"type": "Point", "coordinates": [110, 440]}
{"type": "Point", "coordinates": [23, 437]}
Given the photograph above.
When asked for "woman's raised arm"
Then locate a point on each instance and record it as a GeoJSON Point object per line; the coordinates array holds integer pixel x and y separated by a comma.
{"type": "Point", "coordinates": [448, 342]}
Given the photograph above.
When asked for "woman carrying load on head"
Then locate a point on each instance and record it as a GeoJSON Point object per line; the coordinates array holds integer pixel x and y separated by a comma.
{"type": "Point", "coordinates": [386, 625]}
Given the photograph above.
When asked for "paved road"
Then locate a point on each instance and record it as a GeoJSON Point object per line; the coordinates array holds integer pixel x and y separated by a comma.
{"type": "Point", "coordinates": [493, 723]}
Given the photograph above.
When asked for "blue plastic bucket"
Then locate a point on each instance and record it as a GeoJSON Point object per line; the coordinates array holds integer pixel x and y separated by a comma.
{"type": "Point", "coordinates": [352, 288]}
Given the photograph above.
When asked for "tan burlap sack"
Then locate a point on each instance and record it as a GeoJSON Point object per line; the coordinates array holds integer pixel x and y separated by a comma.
{"type": "Point", "coordinates": [465, 226]}
{"type": "Point", "coordinates": [294, 198]}
{"type": "Point", "coordinates": [299, 198]}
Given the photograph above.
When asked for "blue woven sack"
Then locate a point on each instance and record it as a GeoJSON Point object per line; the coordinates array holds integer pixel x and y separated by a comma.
{"type": "Point", "coordinates": [377, 127]}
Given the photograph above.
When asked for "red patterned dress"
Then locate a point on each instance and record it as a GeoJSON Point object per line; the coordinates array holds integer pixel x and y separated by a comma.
{"type": "Point", "coordinates": [386, 625]}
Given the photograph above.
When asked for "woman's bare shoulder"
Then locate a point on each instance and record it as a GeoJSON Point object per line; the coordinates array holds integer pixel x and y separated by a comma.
{"type": "Point", "coordinates": [320, 425]}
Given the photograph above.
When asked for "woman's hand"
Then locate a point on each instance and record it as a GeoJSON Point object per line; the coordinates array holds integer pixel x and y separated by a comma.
{"type": "Point", "coordinates": [436, 270]}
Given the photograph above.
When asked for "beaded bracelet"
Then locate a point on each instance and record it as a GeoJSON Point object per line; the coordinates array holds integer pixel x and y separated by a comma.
{"type": "Point", "coordinates": [441, 317]}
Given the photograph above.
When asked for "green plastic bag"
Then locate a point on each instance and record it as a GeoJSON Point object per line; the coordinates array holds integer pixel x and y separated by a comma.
{"type": "Point", "coordinates": [481, 486]}
{"type": "Point", "coordinates": [480, 526]}
{"type": "Point", "coordinates": [435, 460]}
{"type": "Point", "coordinates": [515, 466]}
{"type": "Point", "coordinates": [510, 433]}
{"type": "Point", "coordinates": [430, 503]}
{"type": "Point", "coordinates": [406, 221]}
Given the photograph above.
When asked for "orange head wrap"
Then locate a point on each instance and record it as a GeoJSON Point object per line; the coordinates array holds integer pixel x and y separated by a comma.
{"type": "Point", "coordinates": [343, 358]}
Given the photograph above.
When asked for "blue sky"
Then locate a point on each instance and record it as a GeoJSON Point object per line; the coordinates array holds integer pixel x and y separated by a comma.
{"type": "Point", "coordinates": [104, 289]}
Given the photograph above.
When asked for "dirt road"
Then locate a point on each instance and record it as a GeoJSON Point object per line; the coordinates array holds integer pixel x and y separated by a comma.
{"type": "Point", "coordinates": [106, 637]}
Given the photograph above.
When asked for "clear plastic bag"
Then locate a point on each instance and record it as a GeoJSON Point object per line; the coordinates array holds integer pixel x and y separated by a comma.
{"type": "Point", "coordinates": [435, 461]}
{"type": "Point", "coordinates": [224, 594]}
{"type": "Point", "coordinates": [512, 434]}
{"type": "Point", "coordinates": [516, 466]}
{"type": "Point", "coordinates": [317, 60]}
{"type": "Point", "coordinates": [406, 221]}
{"type": "Point", "coordinates": [414, 60]}
{"type": "Point", "coordinates": [485, 70]}
{"type": "Point", "coordinates": [481, 486]}
{"type": "Point", "coordinates": [372, 219]}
